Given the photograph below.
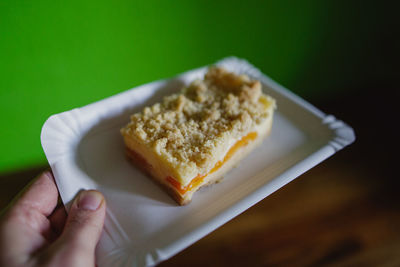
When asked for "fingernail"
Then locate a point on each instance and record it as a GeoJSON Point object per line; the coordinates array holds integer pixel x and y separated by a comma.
{"type": "Point", "coordinates": [90, 200]}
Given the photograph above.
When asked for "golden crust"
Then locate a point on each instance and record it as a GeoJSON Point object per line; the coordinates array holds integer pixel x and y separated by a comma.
{"type": "Point", "coordinates": [146, 168]}
{"type": "Point", "coordinates": [190, 131]}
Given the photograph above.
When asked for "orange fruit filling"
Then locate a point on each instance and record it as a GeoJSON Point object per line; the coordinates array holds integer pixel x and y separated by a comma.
{"type": "Point", "coordinates": [200, 177]}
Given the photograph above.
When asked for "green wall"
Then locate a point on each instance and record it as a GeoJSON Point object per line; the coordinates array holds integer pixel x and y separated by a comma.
{"type": "Point", "coordinates": [57, 56]}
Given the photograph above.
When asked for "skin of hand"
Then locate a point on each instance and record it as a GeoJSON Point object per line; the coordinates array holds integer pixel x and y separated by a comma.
{"type": "Point", "coordinates": [34, 231]}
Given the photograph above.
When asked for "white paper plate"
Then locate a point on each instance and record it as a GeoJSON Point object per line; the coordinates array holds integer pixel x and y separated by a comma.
{"type": "Point", "coordinates": [144, 225]}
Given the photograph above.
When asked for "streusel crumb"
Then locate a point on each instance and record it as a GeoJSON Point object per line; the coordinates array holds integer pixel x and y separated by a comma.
{"type": "Point", "coordinates": [190, 128]}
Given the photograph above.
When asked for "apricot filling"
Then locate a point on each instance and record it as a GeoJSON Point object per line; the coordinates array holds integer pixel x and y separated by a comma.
{"type": "Point", "coordinates": [200, 178]}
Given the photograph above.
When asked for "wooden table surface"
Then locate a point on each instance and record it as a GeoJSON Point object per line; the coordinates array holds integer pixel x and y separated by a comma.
{"type": "Point", "coordinates": [345, 211]}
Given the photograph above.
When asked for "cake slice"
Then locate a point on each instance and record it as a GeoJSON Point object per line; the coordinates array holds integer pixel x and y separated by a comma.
{"type": "Point", "coordinates": [192, 138]}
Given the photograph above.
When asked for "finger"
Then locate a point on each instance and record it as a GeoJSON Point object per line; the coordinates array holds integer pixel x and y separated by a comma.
{"type": "Point", "coordinates": [25, 227]}
{"type": "Point", "coordinates": [41, 195]}
{"type": "Point", "coordinates": [83, 227]}
{"type": "Point", "coordinates": [57, 220]}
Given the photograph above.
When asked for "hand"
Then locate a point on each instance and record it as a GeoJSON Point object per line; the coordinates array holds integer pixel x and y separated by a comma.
{"type": "Point", "coordinates": [35, 232]}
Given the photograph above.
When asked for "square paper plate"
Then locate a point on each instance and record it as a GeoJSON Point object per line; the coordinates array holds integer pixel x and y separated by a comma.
{"type": "Point", "coordinates": [144, 225]}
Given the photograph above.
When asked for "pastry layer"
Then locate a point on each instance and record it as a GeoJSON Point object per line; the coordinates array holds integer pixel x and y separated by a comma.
{"type": "Point", "coordinates": [183, 194]}
{"type": "Point", "coordinates": [192, 138]}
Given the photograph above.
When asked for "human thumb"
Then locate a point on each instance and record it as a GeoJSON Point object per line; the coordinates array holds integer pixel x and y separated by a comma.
{"type": "Point", "coordinates": [83, 228]}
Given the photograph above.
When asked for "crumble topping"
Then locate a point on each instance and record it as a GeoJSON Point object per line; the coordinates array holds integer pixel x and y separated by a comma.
{"type": "Point", "coordinates": [191, 128]}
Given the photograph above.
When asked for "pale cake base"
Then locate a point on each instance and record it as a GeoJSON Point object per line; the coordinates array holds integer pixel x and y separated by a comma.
{"type": "Point", "coordinates": [193, 138]}
{"type": "Point", "coordinates": [160, 178]}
